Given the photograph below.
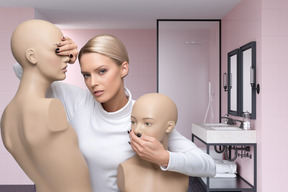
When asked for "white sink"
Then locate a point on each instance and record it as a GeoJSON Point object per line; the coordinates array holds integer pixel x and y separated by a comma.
{"type": "Point", "coordinates": [223, 133]}
{"type": "Point", "coordinates": [223, 128]}
{"type": "Point", "coordinates": [216, 124]}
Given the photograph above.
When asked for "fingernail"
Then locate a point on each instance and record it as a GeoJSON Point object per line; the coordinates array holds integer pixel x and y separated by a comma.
{"type": "Point", "coordinates": [138, 135]}
{"type": "Point", "coordinates": [71, 56]}
{"type": "Point", "coordinates": [58, 44]}
{"type": "Point", "coordinates": [57, 50]}
{"type": "Point", "coordinates": [129, 142]}
{"type": "Point", "coordinates": [63, 38]}
{"type": "Point", "coordinates": [128, 132]}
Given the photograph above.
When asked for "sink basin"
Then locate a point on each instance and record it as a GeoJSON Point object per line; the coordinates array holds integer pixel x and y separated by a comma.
{"type": "Point", "coordinates": [216, 124]}
{"type": "Point", "coordinates": [227, 128]}
{"type": "Point", "coordinates": [223, 133]}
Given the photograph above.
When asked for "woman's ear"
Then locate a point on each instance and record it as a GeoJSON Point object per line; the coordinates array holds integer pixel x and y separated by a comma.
{"type": "Point", "coordinates": [124, 69]}
{"type": "Point", "coordinates": [170, 126]}
{"type": "Point", "coordinates": [31, 56]}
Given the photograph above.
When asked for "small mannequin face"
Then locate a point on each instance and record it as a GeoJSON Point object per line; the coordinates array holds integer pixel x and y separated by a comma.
{"type": "Point", "coordinates": [148, 117]}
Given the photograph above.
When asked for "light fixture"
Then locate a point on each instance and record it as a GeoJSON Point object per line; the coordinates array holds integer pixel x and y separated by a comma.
{"type": "Point", "coordinates": [225, 81]}
{"type": "Point", "coordinates": [253, 79]}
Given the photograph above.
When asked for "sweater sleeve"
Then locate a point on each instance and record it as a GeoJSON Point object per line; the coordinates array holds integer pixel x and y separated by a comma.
{"type": "Point", "coordinates": [72, 97]}
{"type": "Point", "coordinates": [187, 158]}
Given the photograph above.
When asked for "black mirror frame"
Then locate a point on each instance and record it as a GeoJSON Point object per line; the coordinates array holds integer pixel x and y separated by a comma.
{"type": "Point", "coordinates": [254, 89]}
{"type": "Point", "coordinates": [239, 99]}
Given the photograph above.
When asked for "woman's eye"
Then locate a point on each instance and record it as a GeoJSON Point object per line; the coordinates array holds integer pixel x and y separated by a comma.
{"type": "Point", "coordinates": [102, 71]}
{"type": "Point", "coordinates": [86, 75]}
{"type": "Point", "coordinates": [148, 124]}
{"type": "Point", "coordinates": [132, 122]}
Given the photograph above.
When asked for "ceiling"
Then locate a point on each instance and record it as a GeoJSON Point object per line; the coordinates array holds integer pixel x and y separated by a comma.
{"type": "Point", "coordinates": [122, 14]}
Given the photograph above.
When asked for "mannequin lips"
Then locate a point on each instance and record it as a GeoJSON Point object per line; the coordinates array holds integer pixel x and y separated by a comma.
{"type": "Point", "coordinates": [64, 69]}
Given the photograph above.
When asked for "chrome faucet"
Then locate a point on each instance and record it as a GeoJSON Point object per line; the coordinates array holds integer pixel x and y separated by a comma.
{"type": "Point", "coordinates": [241, 123]}
{"type": "Point", "coordinates": [230, 121]}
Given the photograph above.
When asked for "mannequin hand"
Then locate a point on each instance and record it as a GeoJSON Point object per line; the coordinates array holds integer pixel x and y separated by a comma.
{"type": "Point", "coordinates": [67, 47]}
{"type": "Point", "coordinates": [149, 149]}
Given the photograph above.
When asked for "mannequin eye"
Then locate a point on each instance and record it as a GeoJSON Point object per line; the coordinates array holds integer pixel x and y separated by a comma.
{"type": "Point", "coordinates": [148, 124]}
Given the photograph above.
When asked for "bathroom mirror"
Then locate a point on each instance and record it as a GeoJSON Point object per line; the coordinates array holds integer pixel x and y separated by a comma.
{"type": "Point", "coordinates": [234, 97]}
{"type": "Point", "coordinates": [247, 54]}
{"type": "Point", "coordinates": [188, 69]}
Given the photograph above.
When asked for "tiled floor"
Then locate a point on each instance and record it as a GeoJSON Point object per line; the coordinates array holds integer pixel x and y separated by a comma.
{"type": "Point", "coordinates": [17, 188]}
{"type": "Point", "coordinates": [194, 186]}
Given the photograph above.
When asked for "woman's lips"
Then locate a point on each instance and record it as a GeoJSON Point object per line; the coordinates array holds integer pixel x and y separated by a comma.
{"type": "Point", "coordinates": [98, 93]}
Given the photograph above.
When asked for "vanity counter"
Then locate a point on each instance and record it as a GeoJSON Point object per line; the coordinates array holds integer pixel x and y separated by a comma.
{"type": "Point", "coordinates": [222, 133]}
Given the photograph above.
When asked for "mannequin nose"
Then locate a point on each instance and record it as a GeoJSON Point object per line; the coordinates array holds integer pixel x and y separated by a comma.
{"type": "Point", "coordinates": [66, 59]}
{"type": "Point", "coordinates": [138, 130]}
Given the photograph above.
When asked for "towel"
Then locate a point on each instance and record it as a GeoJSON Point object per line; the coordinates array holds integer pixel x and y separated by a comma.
{"type": "Point", "coordinates": [225, 175]}
{"type": "Point", "coordinates": [224, 166]}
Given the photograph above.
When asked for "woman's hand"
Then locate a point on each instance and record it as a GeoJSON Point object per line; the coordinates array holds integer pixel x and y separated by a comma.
{"type": "Point", "coordinates": [67, 47]}
{"type": "Point", "coordinates": [149, 149]}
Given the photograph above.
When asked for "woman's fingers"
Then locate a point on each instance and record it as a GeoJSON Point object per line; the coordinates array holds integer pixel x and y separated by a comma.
{"type": "Point", "coordinates": [67, 47]}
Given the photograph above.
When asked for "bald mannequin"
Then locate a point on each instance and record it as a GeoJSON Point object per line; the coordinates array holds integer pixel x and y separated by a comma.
{"type": "Point", "coordinates": [154, 115]}
{"type": "Point", "coordinates": [34, 129]}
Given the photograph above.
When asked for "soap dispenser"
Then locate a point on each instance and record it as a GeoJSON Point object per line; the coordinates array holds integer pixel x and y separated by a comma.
{"type": "Point", "coordinates": [246, 120]}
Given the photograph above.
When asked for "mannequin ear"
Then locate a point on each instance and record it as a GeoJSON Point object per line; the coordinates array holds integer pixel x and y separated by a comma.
{"type": "Point", "coordinates": [125, 69]}
{"type": "Point", "coordinates": [31, 56]}
{"type": "Point", "coordinates": [170, 126]}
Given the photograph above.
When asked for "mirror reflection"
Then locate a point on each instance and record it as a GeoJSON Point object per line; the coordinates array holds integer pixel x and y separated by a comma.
{"type": "Point", "coordinates": [233, 95]}
{"type": "Point", "coordinates": [189, 69]}
{"type": "Point", "coordinates": [248, 62]}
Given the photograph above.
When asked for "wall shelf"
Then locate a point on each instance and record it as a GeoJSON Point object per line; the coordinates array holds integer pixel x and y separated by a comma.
{"type": "Point", "coordinates": [229, 184]}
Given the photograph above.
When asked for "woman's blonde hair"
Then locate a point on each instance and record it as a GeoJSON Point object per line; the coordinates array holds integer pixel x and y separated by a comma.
{"type": "Point", "coordinates": [107, 45]}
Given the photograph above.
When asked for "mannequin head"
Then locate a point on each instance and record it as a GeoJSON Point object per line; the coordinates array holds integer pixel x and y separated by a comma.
{"type": "Point", "coordinates": [155, 115]}
{"type": "Point", "coordinates": [33, 45]}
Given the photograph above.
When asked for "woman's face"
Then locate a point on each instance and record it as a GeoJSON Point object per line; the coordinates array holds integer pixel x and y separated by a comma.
{"type": "Point", "coordinates": [103, 77]}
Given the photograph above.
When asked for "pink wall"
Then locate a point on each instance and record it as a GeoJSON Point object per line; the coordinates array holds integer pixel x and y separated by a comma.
{"type": "Point", "coordinates": [265, 22]}
{"type": "Point", "coordinates": [10, 172]}
{"type": "Point", "coordinates": [141, 46]}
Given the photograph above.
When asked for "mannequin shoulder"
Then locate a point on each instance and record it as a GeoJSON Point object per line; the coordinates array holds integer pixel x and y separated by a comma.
{"type": "Point", "coordinates": [121, 178]}
{"type": "Point", "coordinates": [57, 119]}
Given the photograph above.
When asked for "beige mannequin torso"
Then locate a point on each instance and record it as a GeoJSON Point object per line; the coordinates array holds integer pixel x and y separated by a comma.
{"type": "Point", "coordinates": [138, 175]}
{"type": "Point", "coordinates": [36, 132]}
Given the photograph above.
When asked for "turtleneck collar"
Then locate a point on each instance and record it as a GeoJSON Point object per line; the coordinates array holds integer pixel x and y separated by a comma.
{"type": "Point", "coordinates": [121, 113]}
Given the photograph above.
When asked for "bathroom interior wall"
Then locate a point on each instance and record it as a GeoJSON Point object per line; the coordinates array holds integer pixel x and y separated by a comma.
{"type": "Point", "coordinates": [141, 46]}
{"type": "Point", "coordinates": [265, 22]}
{"type": "Point", "coordinates": [10, 172]}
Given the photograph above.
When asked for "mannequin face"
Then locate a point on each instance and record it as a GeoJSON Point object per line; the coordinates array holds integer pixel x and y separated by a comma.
{"type": "Point", "coordinates": [148, 116]}
{"type": "Point", "coordinates": [49, 63]}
